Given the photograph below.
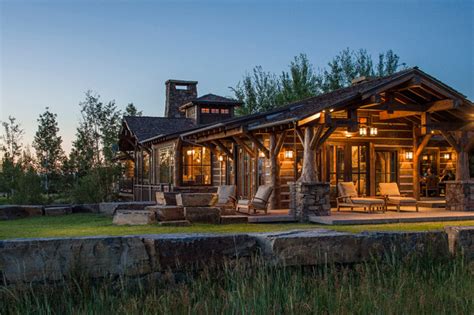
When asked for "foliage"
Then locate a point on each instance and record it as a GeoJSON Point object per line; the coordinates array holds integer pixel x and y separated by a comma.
{"type": "Point", "coordinates": [262, 91]}
{"type": "Point", "coordinates": [94, 224]}
{"type": "Point", "coordinates": [97, 186]}
{"type": "Point", "coordinates": [9, 176]}
{"type": "Point", "coordinates": [131, 110]}
{"type": "Point", "coordinates": [28, 188]}
{"type": "Point", "coordinates": [11, 139]}
{"type": "Point", "coordinates": [49, 153]}
{"type": "Point", "coordinates": [425, 285]}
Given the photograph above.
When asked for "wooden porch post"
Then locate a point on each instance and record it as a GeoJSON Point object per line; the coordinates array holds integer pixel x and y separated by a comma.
{"type": "Point", "coordinates": [274, 172]}
{"type": "Point", "coordinates": [417, 150]}
{"type": "Point", "coordinates": [309, 172]}
{"type": "Point", "coordinates": [177, 163]}
{"type": "Point", "coordinates": [461, 144]}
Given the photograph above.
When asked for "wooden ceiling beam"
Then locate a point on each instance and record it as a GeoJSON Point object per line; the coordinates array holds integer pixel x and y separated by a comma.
{"type": "Point", "coordinates": [257, 142]}
{"type": "Point", "coordinates": [241, 143]}
{"type": "Point", "coordinates": [223, 148]}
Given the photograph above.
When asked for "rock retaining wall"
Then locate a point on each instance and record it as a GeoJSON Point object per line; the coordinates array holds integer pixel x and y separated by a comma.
{"type": "Point", "coordinates": [460, 195]}
{"type": "Point", "coordinates": [26, 261]}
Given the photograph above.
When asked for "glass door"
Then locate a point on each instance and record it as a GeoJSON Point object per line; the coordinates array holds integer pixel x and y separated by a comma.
{"type": "Point", "coordinates": [359, 169]}
{"type": "Point", "coordinates": [385, 167]}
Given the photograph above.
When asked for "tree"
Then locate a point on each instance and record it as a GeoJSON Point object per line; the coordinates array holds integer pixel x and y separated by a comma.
{"type": "Point", "coordinates": [47, 144]}
{"type": "Point", "coordinates": [11, 139]}
{"type": "Point", "coordinates": [300, 83]}
{"type": "Point", "coordinates": [131, 110]}
{"type": "Point", "coordinates": [258, 91]}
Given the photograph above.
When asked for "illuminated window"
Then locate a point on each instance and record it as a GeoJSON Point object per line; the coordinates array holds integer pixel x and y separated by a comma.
{"type": "Point", "coordinates": [215, 110]}
{"type": "Point", "coordinates": [205, 110]}
{"type": "Point", "coordinates": [224, 111]}
{"type": "Point", "coordinates": [196, 166]}
{"type": "Point", "coordinates": [166, 165]}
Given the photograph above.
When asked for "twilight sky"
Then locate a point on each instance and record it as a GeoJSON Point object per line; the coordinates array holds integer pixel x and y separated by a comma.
{"type": "Point", "coordinates": [51, 52]}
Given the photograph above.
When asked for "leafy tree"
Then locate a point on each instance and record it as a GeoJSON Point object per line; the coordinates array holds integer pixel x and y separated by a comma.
{"type": "Point", "coordinates": [28, 188]}
{"type": "Point", "coordinates": [11, 139]}
{"type": "Point", "coordinates": [300, 83]}
{"type": "Point", "coordinates": [131, 110]}
{"type": "Point", "coordinates": [258, 91]}
{"type": "Point", "coordinates": [47, 144]}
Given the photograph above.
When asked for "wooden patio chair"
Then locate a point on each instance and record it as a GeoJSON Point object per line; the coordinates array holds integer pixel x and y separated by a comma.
{"type": "Point", "coordinates": [349, 198]}
{"type": "Point", "coordinates": [393, 197]}
{"type": "Point", "coordinates": [226, 199]}
{"type": "Point", "coordinates": [258, 202]}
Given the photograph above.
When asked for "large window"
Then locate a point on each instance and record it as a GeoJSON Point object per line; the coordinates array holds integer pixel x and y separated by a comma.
{"type": "Point", "coordinates": [166, 163]}
{"type": "Point", "coordinates": [386, 166]}
{"type": "Point", "coordinates": [196, 166]}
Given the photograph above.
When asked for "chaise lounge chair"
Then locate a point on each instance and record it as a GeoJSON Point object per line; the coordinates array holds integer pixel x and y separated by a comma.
{"type": "Point", "coordinates": [226, 200]}
{"type": "Point", "coordinates": [259, 201]}
{"type": "Point", "coordinates": [349, 198]}
{"type": "Point", "coordinates": [393, 197]}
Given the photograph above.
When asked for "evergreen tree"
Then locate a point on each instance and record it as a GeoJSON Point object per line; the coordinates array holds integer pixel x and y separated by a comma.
{"type": "Point", "coordinates": [131, 110]}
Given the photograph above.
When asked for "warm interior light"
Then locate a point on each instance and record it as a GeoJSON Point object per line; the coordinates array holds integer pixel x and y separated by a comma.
{"type": "Point", "coordinates": [347, 134]}
{"type": "Point", "coordinates": [190, 152]}
{"type": "Point", "coordinates": [331, 110]}
{"type": "Point", "coordinates": [373, 131]}
{"type": "Point", "coordinates": [221, 158]}
{"type": "Point", "coordinates": [425, 157]}
{"type": "Point", "coordinates": [409, 155]}
{"type": "Point", "coordinates": [363, 131]}
{"type": "Point", "coordinates": [288, 154]}
{"type": "Point", "coordinates": [447, 156]}
{"type": "Point", "coordinates": [261, 154]}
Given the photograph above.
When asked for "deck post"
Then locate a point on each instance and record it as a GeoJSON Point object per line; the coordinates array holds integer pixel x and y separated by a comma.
{"type": "Point", "coordinates": [417, 150]}
{"type": "Point", "coordinates": [274, 173]}
{"type": "Point", "coordinates": [309, 172]}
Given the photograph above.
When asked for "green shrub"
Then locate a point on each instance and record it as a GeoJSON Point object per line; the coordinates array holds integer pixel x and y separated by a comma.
{"type": "Point", "coordinates": [97, 186]}
{"type": "Point", "coordinates": [29, 188]}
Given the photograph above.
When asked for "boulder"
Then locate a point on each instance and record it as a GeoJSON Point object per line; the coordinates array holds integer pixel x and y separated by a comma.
{"type": "Point", "coordinates": [461, 241]}
{"type": "Point", "coordinates": [167, 213]}
{"type": "Point", "coordinates": [196, 199]}
{"type": "Point", "coordinates": [53, 211]}
{"type": "Point", "coordinates": [12, 212]}
{"type": "Point", "coordinates": [166, 198]}
{"type": "Point", "coordinates": [86, 208]}
{"type": "Point", "coordinates": [134, 217]}
{"type": "Point", "coordinates": [202, 214]}
{"type": "Point", "coordinates": [109, 208]}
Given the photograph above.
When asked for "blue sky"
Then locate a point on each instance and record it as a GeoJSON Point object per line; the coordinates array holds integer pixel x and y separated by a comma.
{"type": "Point", "coordinates": [53, 51]}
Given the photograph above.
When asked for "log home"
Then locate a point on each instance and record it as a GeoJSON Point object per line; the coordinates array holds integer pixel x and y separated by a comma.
{"type": "Point", "coordinates": [399, 128]}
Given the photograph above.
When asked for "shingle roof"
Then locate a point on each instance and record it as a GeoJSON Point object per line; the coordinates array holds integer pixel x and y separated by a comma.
{"type": "Point", "coordinates": [212, 99]}
{"type": "Point", "coordinates": [145, 127]}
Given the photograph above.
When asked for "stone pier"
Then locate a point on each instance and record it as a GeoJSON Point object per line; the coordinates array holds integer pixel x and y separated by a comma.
{"type": "Point", "coordinates": [460, 195]}
{"type": "Point", "coordinates": [309, 199]}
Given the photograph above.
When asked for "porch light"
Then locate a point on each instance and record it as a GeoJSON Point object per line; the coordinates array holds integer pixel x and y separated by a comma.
{"type": "Point", "coordinates": [347, 134]}
{"type": "Point", "coordinates": [363, 131]}
{"type": "Point", "coordinates": [221, 158]}
{"type": "Point", "coordinates": [373, 131]}
{"type": "Point", "coordinates": [425, 157]}
{"type": "Point", "coordinates": [331, 110]}
{"type": "Point", "coordinates": [409, 155]}
{"type": "Point", "coordinates": [261, 154]}
{"type": "Point", "coordinates": [190, 152]}
{"type": "Point", "coordinates": [288, 154]}
{"type": "Point", "coordinates": [447, 156]}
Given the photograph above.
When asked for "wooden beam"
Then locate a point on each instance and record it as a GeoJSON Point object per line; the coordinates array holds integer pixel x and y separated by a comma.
{"type": "Point", "coordinates": [309, 172]}
{"type": "Point", "coordinates": [385, 115]}
{"type": "Point", "coordinates": [446, 104]}
{"type": "Point", "coordinates": [300, 135]}
{"type": "Point", "coordinates": [450, 139]}
{"type": "Point", "coordinates": [316, 136]}
{"type": "Point", "coordinates": [257, 142]}
{"type": "Point", "coordinates": [223, 134]}
{"type": "Point", "coordinates": [274, 201]}
{"type": "Point", "coordinates": [245, 146]}
{"type": "Point", "coordinates": [223, 148]}
{"type": "Point", "coordinates": [280, 142]}
{"type": "Point", "coordinates": [425, 122]}
{"type": "Point", "coordinates": [326, 135]}
{"type": "Point", "coordinates": [450, 125]}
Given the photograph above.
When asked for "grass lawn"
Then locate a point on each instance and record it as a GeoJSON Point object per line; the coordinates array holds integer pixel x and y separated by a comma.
{"type": "Point", "coordinates": [94, 224]}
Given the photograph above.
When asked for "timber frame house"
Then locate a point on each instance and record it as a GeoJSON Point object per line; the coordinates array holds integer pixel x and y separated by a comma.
{"type": "Point", "coordinates": [387, 129]}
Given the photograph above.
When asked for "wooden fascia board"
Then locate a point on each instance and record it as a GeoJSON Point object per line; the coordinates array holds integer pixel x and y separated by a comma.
{"type": "Point", "coordinates": [312, 118]}
{"type": "Point", "coordinates": [223, 134]}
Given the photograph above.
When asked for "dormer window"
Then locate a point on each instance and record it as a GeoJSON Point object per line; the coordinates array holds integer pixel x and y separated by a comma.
{"type": "Point", "coordinates": [205, 110]}
{"type": "Point", "coordinates": [215, 110]}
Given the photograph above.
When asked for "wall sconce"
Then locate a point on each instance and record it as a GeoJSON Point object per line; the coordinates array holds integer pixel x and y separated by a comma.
{"type": "Point", "coordinates": [261, 154]}
{"type": "Point", "coordinates": [425, 157]}
{"type": "Point", "coordinates": [409, 155]}
{"type": "Point", "coordinates": [288, 154]}
{"type": "Point", "coordinates": [347, 134]}
{"type": "Point", "coordinates": [373, 131]}
{"type": "Point", "coordinates": [221, 158]}
{"type": "Point", "coordinates": [190, 152]}
{"type": "Point", "coordinates": [363, 131]}
{"type": "Point", "coordinates": [447, 156]}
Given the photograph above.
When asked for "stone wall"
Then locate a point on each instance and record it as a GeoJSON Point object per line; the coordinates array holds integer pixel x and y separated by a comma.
{"type": "Point", "coordinates": [309, 199]}
{"type": "Point", "coordinates": [26, 261]}
{"type": "Point", "coordinates": [460, 195]}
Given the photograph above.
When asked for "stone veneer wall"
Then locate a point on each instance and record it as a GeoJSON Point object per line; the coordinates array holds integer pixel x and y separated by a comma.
{"type": "Point", "coordinates": [460, 195]}
{"type": "Point", "coordinates": [309, 199]}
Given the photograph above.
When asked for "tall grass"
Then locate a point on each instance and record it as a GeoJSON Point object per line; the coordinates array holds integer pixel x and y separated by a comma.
{"type": "Point", "coordinates": [394, 286]}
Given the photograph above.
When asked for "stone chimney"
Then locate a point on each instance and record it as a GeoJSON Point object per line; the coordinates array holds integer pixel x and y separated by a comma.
{"type": "Point", "coordinates": [178, 93]}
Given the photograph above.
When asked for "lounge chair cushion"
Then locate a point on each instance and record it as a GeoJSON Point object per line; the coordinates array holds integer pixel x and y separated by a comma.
{"type": "Point", "coordinates": [401, 200]}
{"type": "Point", "coordinates": [347, 189]}
{"type": "Point", "coordinates": [367, 201]}
{"type": "Point", "coordinates": [263, 193]}
{"type": "Point", "coordinates": [389, 189]}
{"type": "Point", "coordinates": [224, 193]}
{"type": "Point", "coordinates": [243, 202]}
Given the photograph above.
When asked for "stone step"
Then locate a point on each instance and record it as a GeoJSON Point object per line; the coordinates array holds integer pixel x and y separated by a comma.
{"type": "Point", "coordinates": [167, 213]}
{"type": "Point", "coordinates": [53, 211]}
{"type": "Point", "coordinates": [234, 219]}
{"type": "Point", "coordinates": [202, 214]}
{"type": "Point", "coordinates": [134, 217]}
{"type": "Point", "coordinates": [271, 218]}
{"type": "Point", "coordinates": [175, 223]}
{"type": "Point", "coordinates": [196, 199]}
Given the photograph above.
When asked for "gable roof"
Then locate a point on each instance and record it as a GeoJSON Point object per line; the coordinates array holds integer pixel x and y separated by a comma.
{"type": "Point", "coordinates": [212, 99]}
{"type": "Point", "coordinates": [145, 127]}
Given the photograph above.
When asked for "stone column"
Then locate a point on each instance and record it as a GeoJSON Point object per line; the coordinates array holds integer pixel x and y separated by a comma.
{"type": "Point", "coordinates": [309, 199]}
{"type": "Point", "coordinates": [460, 195]}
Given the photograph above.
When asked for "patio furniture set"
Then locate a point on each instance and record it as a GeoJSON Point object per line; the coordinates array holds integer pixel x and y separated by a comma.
{"type": "Point", "coordinates": [389, 196]}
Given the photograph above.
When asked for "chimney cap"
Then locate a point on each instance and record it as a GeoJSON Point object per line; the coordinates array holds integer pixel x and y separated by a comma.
{"type": "Point", "coordinates": [181, 82]}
